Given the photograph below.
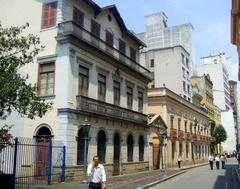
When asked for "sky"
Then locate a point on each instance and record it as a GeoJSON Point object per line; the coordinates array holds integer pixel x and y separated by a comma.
{"type": "Point", "coordinates": [210, 19]}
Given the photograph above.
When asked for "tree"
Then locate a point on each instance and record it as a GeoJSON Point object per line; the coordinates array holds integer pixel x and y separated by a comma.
{"type": "Point", "coordinates": [16, 51]}
{"type": "Point", "coordinates": [220, 134]}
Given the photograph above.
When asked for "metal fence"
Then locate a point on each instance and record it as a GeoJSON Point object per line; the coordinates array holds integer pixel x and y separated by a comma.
{"type": "Point", "coordinates": [27, 161]}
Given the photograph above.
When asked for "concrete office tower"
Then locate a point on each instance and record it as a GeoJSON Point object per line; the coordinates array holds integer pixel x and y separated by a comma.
{"type": "Point", "coordinates": [218, 66]}
{"type": "Point", "coordinates": [169, 54]}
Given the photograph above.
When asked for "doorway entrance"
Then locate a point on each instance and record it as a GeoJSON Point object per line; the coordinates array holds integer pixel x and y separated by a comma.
{"type": "Point", "coordinates": [116, 154]}
{"type": "Point", "coordinates": [43, 138]}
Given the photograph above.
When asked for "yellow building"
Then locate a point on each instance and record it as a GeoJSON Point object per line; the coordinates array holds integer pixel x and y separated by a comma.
{"type": "Point", "coordinates": [188, 127]}
{"type": "Point", "coordinates": [205, 86]}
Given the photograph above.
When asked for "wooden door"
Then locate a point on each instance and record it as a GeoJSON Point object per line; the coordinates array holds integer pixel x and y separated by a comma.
{"type": "Point", "coordinates": [156, 156]}
{"type": "Point", "coordinates": [42, 158]}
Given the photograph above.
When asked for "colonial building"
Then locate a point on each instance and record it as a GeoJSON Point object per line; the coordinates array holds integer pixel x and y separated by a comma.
{"type": "Point", "coordinates": [90, 70]}
{"type": "Point", "coordinates": [234, 105]}
{"type": "Point", "coordinates": [188, 126]}
{"type": "Point", "coordinates": [205, 86]}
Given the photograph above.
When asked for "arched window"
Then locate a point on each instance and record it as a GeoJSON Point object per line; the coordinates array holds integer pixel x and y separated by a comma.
{"type": "Point", "coordinates": [43, 134]}
{"type": "Point", "coordinates": [141, 148]}
{"type": "Point", "coordinates": [130, 148]}
{"type": "Point", "coordinates": [101, 145]}
{"type": "Point", "coordinates": [80, 147]}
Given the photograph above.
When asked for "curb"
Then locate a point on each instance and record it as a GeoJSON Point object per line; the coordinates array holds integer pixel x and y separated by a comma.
{"type": "Point", "coordinates": [162, 180]}
{"type": "Point", "coordinates": [183, 170]}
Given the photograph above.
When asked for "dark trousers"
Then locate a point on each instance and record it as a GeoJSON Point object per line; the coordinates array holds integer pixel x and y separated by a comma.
{"type": "Point", "coordinates": [223, 164]}
{"type": "Point", "coordinates": [217, 164]}
{"type": "Point", "coordinates": [211, 164]}
{"type": "Point", "coordinates": [95, 185]}
{"type": "Point", "coordinates": [179, 164]}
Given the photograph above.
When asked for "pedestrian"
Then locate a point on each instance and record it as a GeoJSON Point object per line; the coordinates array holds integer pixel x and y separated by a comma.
{"type": "Point", "coordinates": [179, 160]}
{"type": "Point", "coordinates": [96, 174]}
{"type": "Point", "coordinates": [223, 160]}
{"type": "Point", "coordinates": [217, 159]}
{"type": "Point", "coordinates": [211, 159]}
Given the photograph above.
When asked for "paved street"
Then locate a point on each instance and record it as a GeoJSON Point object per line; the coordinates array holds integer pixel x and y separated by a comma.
{"type": "Point", "coordinates": [204, 178]}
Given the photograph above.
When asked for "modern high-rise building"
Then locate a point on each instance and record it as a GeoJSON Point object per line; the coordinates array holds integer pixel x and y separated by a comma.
{"type": "Point", "coordinates": [169, 54]}
{"type": "Point", "coordinates": [218, 66]}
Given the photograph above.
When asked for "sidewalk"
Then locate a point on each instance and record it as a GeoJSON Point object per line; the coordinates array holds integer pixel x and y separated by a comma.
{"type": "Point", "coordinates": [132, 181]}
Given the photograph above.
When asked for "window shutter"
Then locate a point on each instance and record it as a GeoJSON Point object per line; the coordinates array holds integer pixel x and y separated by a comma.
{"type": "Point", "coordinates": [49, 12]}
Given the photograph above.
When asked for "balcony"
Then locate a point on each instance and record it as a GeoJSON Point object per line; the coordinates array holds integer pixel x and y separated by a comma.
{"type": "Point", "coordinates": [188, 135]}
{"type": "Point", "coordinates": [92, 106]}
{"type": "Point", "coordinates": [69, 28]}
{"type": "Point", "coordinates": [173, 133]}
{"type": "Point", "coordinates": [194, 137]}
{"type": "Point", "coordinates": [180, 134]}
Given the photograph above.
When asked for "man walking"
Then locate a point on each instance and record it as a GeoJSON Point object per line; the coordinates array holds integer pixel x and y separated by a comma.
{"type": "Point", "coordinates": [217, 159]}
{"type": "Point", "coordinates": [179, 160]}
{"type": "Point", "coordinates": [96, 174]}
{"type": "Point", "coordinates": [223, 160]}
{"type": "Point", "coordinates": [211, 159]}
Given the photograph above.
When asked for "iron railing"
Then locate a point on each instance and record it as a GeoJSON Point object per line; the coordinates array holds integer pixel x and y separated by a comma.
{"type": "Point", "coordinates": [90, 105]}
{"type": "Point", "coordinates": [70, 28]}
{"type": "Point", "coordinates": [26, 162]}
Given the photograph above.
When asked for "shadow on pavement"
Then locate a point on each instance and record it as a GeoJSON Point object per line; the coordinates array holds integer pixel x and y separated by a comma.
{"type": "Point", "coordinates": [229, 180]}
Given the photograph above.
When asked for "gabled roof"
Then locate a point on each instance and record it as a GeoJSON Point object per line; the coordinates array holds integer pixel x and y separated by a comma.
{"type": "Point", "coordinates": [157, 120]}
{"type": "Point", "coordinates": [113, 9]}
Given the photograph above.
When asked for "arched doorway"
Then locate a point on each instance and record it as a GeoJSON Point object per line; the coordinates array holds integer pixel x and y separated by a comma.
{"type": "Point", "coordinates": [43, 138]}
{"type": "Point", "coordinates": [130, 148]}
{"type": "Point", "coordinates": [101, 145]}
{"type": "Point", "coordinates": [80, 147]}
{"type": "Point", "coordinates": [156, 151]}
{"type": "Point", "coordinates": [116, 154]}
{"type": "Point", "coordinates": [141, 148]}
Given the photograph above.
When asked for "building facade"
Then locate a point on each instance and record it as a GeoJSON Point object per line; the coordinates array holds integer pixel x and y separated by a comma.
{"type": "Point", "coordinates": [218, 66]}
{"type": "Point", "coordinates": [90, 70]}
{"type": "Point", "coordinates": [235, 35]}
{"type": "Point", "coordinates": [169, 67]}
{"type": "Point", "coordinates": [159, 35]}
{"type": "Point", "coordinates": [234, 105]}
{"type": "Point", "coordinates": [205, 86]}
{"type": "Point", "coordinates": [188, 126]}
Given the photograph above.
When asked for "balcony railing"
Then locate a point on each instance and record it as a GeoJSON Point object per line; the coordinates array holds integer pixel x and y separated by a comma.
{"type": "Point", "coordinates": [194, 136]}
{"type": "Point", "coordinates": [70, 28]}
{"type": "Point", "coordinates": [93, 106]}
{"type": "Point", "coordinates": [188, 135]}
{"type": "Point", "coordinates": [173, 133]}
{"type": "Point", "coordinates": [180, 134]}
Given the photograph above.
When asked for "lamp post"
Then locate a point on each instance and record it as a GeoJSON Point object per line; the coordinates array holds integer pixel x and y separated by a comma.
{"type": "Point", "coordinates": [86, 127]}
{"type": "Point", "coordinates": [164, 140]}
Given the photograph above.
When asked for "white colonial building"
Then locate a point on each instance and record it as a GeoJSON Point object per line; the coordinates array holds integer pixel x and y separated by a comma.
{"type": "Point", "coordinates": [89, 69]}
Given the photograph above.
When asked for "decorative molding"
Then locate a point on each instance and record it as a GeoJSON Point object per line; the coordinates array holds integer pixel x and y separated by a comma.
{"type": "Point", "coordinates": [47, 58]}
{"type": "Point", "coordinates": [84, 62]}
{"type": "Point", "coordinates": [102, 71]}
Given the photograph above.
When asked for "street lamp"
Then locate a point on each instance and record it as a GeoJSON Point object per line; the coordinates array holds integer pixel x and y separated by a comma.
{"type": "Point", "coordinates": [86, 127]}
{"type": "Point", "coordinates": [164, 141]}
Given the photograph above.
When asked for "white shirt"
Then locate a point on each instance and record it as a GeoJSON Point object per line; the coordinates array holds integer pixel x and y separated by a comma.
{"type": "Point", "coordinates": [211, 158]}
{"type": "Point", "coordinates": [217, 158]}
{"type": "Point", "coordinates": [96, 174]}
